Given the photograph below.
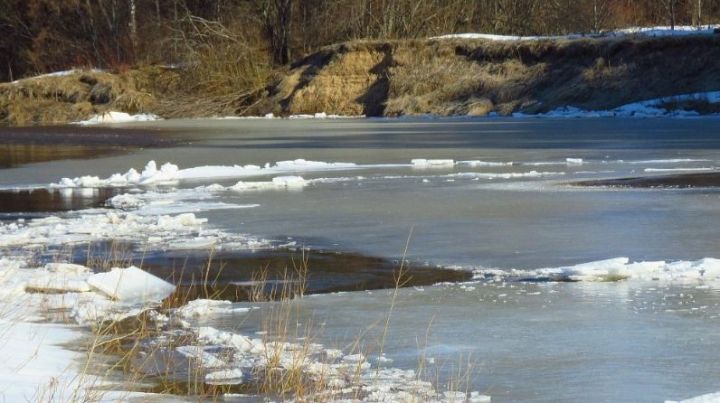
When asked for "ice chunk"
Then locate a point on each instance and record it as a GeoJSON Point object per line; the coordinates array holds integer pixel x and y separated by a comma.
{"type": "Point", "coordinates": [225, 377]}
{"type": "Point", "coordinates": [125, 202]}
{"type": "Point", "coordinates": [203, 307]}
{"type": "Point", "coordinates": [131, 284]}
{"type": "Point", "coordinates": [574, 161]}
{"type": "Point", "coordinates": [479, 163]}
{"type": "Point", "coordinates": [423, 163]}
{"type": "Point", "coordinates": [278, 183]}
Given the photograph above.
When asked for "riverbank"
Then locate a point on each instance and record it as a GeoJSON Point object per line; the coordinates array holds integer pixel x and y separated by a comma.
{"type": "Point", "coordinates": [456, 75]}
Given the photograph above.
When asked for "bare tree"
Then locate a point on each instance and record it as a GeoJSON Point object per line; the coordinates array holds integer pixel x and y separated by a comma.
{"type": "Point", "coordinates": [277, 20]}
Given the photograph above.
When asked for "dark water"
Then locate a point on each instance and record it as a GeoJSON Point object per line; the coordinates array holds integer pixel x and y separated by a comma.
{"type": "Point", "coordinates": [235, 275]}
{"type": "Point", "coordinates": [23, 145]}
{"type": "Point", "coordinates": [53, 200]}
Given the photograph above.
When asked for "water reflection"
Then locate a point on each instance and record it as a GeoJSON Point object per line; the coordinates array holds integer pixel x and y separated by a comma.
{"type": "Point", "coordinates": [53, 200]}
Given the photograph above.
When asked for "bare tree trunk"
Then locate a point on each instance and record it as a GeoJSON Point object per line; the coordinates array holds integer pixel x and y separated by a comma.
{"type": "Point", "coordinates": [133, 24]}
{"type": "Point", "coordinates": [672, 15]}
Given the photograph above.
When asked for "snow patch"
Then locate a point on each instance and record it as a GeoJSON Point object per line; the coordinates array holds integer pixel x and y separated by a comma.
{"type": "Point", "coordinates": [117, 117]}
{"type": "Point", "coordinates": [642, 109]}
{"type": "Point", "coordinates": [658, 31]}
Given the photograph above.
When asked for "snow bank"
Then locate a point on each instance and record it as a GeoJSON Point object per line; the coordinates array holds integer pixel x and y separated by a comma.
{"type": "Point", "coordinates": [703, 270]}
{"type": "Point", "coordinates": [131, 285]}
{"type": "Point", "coordinates": [117, 117]}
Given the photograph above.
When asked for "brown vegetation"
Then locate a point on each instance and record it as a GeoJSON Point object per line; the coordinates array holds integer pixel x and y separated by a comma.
{"type": "Point", "coordinates": [475, 77]}
{"type": "Point", "coordinates": [231, 57]}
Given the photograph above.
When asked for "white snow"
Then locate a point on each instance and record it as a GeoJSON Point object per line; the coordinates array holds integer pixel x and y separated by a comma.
{"type": "Point", "coordinates": [659, 31]}
{"type": "Point", "coordinates": [117, 117]}
{"type": "Point", "coordinates": [62, 73]}
{"type": "Point", "coordinates": [131, 285]}
{"type": "Point", "coordinates": [642, 109]}
{"type": "Point", "coordinates": [35, 365]}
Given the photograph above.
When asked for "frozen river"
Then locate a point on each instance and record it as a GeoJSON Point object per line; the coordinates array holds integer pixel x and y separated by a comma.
{"type": "Point", "coordinates": [490, 196]}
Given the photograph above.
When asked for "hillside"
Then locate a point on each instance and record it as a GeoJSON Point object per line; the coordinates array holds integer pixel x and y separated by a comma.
{"type": "Point", "coordinates": [458, 76]}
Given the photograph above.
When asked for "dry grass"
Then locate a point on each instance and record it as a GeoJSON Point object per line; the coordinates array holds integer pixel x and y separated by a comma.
{"type": "Point", "coordinates": [78, 96]}
{"type": "Point", "coordinates": [476, 77]}
{"type": "Point", "coordinates": [133, 350]}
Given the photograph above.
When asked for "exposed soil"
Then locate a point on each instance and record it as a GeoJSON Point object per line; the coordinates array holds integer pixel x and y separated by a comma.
{"type": "Point", "coordinates": [476, 77]}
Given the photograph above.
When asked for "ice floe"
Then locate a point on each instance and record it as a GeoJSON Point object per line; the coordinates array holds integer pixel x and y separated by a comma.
{"type": "Point", "coordinates": [699, 169]}
{"type": "Point", "coordinates": [621, 268]}
{"type": "Point", "coordinates": [480, 163]}
{"type": "Point", "coordinates": [205, 307]}
{"type": "Point", "coordinates": [169, 173]}
{"type": "Point", "coordinates": [423, 163]}
{"type": "Point", "coordinates": [164, 231]}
